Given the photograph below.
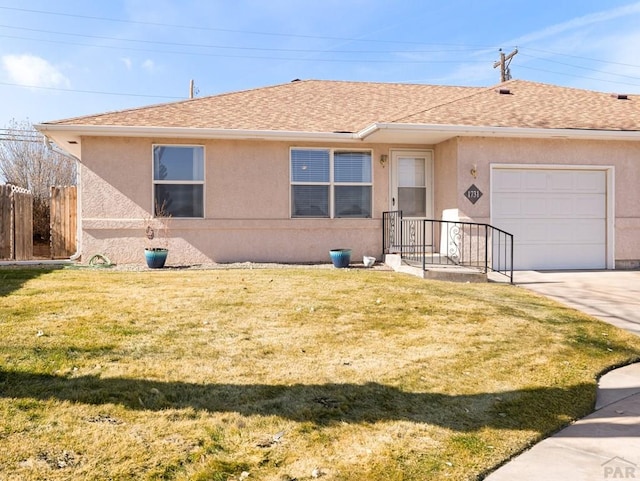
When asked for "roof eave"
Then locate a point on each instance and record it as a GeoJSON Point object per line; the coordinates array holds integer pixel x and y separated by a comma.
{"type": "Point", "coordinates": [435, 133]}
{"type": "Point", "coordinates": [69, 137]}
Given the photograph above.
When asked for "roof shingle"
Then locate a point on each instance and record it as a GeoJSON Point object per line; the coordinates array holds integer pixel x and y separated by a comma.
{"type": "Point", "coordinates": [335, 106]}
{"type": "Point", "coordinates": [536, 105]}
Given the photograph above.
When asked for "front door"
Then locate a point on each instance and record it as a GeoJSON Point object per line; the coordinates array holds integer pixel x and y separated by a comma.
{"type": "Point", "coordinates": [411, 183]}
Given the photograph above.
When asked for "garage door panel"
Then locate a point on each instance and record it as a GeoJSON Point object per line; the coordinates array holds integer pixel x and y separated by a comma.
{"type": "Point", "coordinates": [590, 231]}
{"type": "Point", "coordinates": [559, 232]}
{"type": "Point", "coordinates": [549, 205]}
{"type": "Point", "coordinates": [559, 206]}
{"type": "Point", "coordinates": [574, 231]}
{"type": "Point", "coordinates": [533, 233]}
{"type": "Point", "coordinates": [550, 181]}
{"type": "Point", "coordinates": [595, 182]}
{"type": "Point", "coordinates": [512, 228]}
{"type": "Point", "coordinates": [576, 205]}
{"type": "Point", "coordinates": [507, 205]}
{"type": "Point", "coordinates": [533, 205]}
{"type": "Point", "coordinates": [561, 257]}
{"type": "Point", "coordinates": [534, 181]}
{"type": "Point", "coordinates": [558, 217]}
{"type": "Point", "coordinates": [507, 181]}
{"type": "Point", "coordinates": [591, 205]}
{"type": "Point", "coordinates": [562, 181]}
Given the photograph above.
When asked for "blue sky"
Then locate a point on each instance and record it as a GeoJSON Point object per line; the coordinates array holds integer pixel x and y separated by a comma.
{"type": "Point", "coordinates": [69, 58]}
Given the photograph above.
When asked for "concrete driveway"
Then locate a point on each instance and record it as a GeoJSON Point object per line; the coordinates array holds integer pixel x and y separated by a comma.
{"type": "Point", "coordinates": [613, 296]}
{"type": "Point", "coordinates": [605, 444]}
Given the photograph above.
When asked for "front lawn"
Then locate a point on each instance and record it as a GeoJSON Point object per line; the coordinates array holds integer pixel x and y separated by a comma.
{"type": "Point", "coordinates": [282, 374]}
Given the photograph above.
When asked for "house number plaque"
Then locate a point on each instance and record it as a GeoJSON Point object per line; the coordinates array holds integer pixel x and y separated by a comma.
{"type": "Point", "coordinates": [473, 194]}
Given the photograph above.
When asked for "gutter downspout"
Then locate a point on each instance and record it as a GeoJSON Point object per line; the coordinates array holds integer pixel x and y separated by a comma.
{"type": "Point", "coordinates": [367, 131]}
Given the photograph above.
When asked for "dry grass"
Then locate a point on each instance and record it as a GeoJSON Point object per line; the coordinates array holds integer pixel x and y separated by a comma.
{"type": "Point", "coordinates": [188, 375]}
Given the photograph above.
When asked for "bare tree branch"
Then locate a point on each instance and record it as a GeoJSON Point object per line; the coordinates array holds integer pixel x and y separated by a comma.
{"type": "Point", "coordinates": [26, 161]}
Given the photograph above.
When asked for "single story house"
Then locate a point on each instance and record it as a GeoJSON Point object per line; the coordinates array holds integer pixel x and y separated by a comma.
{"type": "Point", "coordinates": [287, 172]}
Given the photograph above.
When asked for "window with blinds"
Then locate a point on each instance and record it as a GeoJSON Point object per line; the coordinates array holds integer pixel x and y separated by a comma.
{"type": "Point", "coordinates": [178, 179]}
{"type": "Point", "coordinates": [331, 183]}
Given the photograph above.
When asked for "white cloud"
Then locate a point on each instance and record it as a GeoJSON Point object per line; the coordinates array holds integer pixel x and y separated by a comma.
{"type": "Point", "coordinates": [148, 65]}
{"type": "Point", "coordinates": [127, 62]}
{"type": "Point", "coordinates": [33, 71]}
{"type": "Point", "coordinates": [578, 23]}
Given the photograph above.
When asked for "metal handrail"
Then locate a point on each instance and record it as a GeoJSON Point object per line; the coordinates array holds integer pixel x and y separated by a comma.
{"type": "Point", "coordinates": [443, 242]}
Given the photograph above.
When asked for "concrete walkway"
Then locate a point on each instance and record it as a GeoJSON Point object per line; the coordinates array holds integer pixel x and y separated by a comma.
{"type": "Point", "coordinates": [605, 444]}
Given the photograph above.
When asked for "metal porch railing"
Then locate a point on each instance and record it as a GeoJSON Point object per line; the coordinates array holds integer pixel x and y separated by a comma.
{"type": "Point", "coordinates": [448, 243]}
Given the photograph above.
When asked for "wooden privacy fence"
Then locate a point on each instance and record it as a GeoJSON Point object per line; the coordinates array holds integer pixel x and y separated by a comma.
{"type": "Point", "coordinates": [64, 221]}
{"type": "Point", "coordinates": [16, 223]}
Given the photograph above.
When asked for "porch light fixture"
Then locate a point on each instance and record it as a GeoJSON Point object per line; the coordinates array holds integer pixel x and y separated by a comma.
{"type": "Point", "coordinates": [383, 159]}
{"type": "Point", "coordinates": [474, 171]}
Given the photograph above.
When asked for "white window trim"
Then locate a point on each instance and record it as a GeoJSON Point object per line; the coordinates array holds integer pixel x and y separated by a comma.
{"type": "Point", "coordinates": [332, 183]}
{"type": "Point", "coordinates": [179, 182]}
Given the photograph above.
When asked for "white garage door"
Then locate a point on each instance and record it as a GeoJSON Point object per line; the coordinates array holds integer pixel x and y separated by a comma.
{"type": "Point", "coordinates": [557, 217]}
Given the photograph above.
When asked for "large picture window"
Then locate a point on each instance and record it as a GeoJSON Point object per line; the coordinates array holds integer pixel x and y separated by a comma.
{"type": "Point", "coordinates": [330, 183]}
{"type": "Point", "coordinates": [178, 180]}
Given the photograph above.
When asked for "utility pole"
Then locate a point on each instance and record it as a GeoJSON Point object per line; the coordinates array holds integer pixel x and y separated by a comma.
{"type": "Point", "coordinates": [503, 63]}
{"type": "Point", "coordinates": [193, 90]}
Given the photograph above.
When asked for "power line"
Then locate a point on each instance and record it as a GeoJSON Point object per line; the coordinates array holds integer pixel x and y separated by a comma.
{"type": "Point", "coordinates": [634, 77]}
{"type": "Point", "coordinates": [21, 135]}
{"type": "Point", "coordinates": [11, 135]}
{"type": "Point", "coordinates": [226, 47]}
{"type": "Point", "coordinates": [33, 141]}
{"type": "Point", "coordinates": [583, 58]}
{"type": "Point", "coordinates": [94, 92]}
{"type": "Point", "coordinates": [227, 30]}
{"type": "Point", "coordinates": [248, 57]}
{"type": "Point", "coordinates": [455, 47]}
{"type": "Point", "coordinates": [276, 34]}
{"type": "Point", "coordinates": [578, 76]}
{"type": "Point", "coordinates": [4, 131]}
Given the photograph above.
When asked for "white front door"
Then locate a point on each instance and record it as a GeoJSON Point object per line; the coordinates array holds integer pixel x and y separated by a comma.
{"type": "Point", "coordinates": [412, 183]}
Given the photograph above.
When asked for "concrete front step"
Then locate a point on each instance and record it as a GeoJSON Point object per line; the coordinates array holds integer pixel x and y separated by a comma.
{"type": "Point", "coordinates": [450, 273]}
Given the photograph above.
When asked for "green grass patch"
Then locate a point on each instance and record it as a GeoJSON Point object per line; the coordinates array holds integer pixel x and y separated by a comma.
{"type": "Point", "coordinates": [284, 373]}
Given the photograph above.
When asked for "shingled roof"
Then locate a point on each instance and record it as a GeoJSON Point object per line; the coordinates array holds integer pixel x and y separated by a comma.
{"type": "Point", "coordinates": [523, 104]}
{"type": "Point", "coordinates": [307, 106]}
{"type": "Point", "coordinates": [336, 106]}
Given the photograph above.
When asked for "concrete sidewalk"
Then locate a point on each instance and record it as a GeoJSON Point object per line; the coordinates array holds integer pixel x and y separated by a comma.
{"type": "Point", "coordinates": [605, 444]}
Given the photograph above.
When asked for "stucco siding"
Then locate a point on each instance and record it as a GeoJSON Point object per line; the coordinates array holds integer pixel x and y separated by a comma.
{"type": "Point", "coordinates": [247, 180]}
{"type": "Point", "coordinates": [115, 179]}
{"type": "Point", "coordinates": [247, 206]}
{"type": "Point", "coordinates": [247, 196]}
{"type": "Point", "coordinates": [445, 183]}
